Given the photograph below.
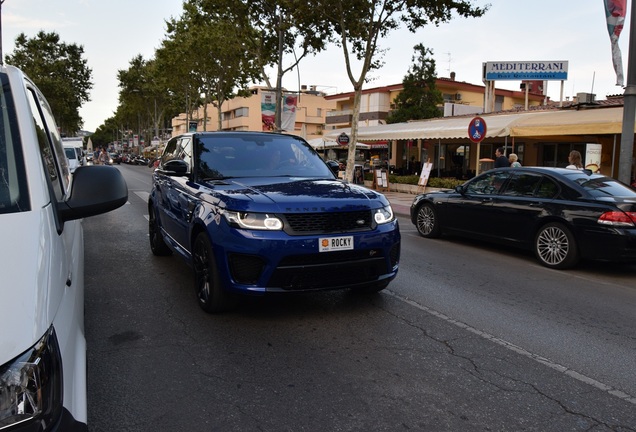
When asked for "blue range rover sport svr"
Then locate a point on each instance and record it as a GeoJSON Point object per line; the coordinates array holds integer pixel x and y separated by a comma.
{"type": "Point", "coordinates": [257, 212]}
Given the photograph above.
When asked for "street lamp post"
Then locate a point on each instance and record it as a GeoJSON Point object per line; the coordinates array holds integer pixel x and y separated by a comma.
{"type": "Point", "coordinates": [629, 109]}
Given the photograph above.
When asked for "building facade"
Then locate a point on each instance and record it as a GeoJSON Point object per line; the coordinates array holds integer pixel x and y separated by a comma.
{"type": "Point", "coordinates": [460, 98]}
{"type": "Point", "coordinates": [245, 113]}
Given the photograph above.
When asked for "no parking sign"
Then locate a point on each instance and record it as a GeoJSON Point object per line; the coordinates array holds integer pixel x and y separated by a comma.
{"type": "Point", "coordinates": [477, 130]}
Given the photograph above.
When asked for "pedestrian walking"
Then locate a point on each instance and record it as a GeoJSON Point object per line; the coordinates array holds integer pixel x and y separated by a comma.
{"type": "Point", "coordinates": [575, 160]}
{"type": "Point", "coordinates": [501, 161]}
{"type": "Point", "coordinates": [103, 158]}
{"type": "Point", "coordinates": [514, 160]}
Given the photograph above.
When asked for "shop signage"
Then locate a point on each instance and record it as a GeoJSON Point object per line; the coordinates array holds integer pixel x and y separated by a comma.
{"type": "Point", "coordinates": [343, 139]}
{"type": "Point", "coordinates": [526, 70]}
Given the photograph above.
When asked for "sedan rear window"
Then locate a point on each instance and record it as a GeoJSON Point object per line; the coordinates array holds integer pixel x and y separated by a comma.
{"type": "Point", "coordinates": [600, 186]}
{"type": "Point", "coordinates": [523, 184]}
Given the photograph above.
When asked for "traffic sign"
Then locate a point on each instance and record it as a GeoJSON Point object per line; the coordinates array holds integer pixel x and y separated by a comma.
{"type": "Point", "coordinates": [477, 130]}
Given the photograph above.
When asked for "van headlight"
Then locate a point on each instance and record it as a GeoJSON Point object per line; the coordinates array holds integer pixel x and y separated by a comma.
{"type": "Point", "coordinates": [256, 221]}
{"type": "Point", "coordinates": [31, 385]}
{"type": "Point", "coordinates": [383, 215]}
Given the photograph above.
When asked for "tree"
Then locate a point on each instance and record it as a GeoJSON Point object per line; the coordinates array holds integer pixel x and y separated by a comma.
{"type": "Point", "coordinates": [142, 97]}
{"type": "Point", "coordinates": [359, 24]}
{"type": "Point", "coordinates": [210, 46]}
{"type": "Point", "coordinates": [60, 72]}
{"type": "Point", "coordinates": [274, 31]}
{"type": "Point", "coordinates": [419, 98]}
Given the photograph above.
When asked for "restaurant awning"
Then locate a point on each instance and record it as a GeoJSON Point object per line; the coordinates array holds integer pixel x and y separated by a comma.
{"type": "Point", "coordinates": [448, 127]}
{"type": "Point", "coordinates": [598, 121]}
{"type": "Point", "coordinates": [320, 144]}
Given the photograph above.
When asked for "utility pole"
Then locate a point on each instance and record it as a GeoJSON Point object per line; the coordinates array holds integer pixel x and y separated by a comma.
{"type": "Point", "coordinates": [629, 108]}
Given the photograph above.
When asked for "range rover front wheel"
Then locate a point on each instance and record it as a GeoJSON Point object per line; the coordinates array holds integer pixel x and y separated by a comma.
{"type": "Point", "coordinates": [210, 294]}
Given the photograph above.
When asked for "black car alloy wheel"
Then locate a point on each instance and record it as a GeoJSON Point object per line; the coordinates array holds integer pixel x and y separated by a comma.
{"type": "Point", "coordinates": [427, 223]}
{"type": "Point", "coordinates": [555, 246]}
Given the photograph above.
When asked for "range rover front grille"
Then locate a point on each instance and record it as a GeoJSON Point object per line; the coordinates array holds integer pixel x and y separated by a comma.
{"type": "Point", "coordinates": [324, 223]}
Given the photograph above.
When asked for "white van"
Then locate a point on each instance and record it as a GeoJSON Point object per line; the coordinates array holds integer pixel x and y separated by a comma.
{"type": "Point", "coordinates": [72, 155]}
{"type": "Point", "coordinates": [42, 344]}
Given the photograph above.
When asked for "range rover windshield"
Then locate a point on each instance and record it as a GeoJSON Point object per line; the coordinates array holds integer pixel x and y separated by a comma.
{"type": "Point", "coordinates": [234, 155]}
{"type": "Point", "coordinates": [13, 185]}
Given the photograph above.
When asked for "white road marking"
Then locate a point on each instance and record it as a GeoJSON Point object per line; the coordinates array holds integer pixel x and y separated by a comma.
{"type": "Point", "coordinates": [142, 194]}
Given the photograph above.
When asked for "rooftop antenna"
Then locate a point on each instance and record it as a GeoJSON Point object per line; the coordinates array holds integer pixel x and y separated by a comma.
{"type": "Point", "coordinates": [449, 63]}
{"type": "Point", "coordinates": [593, 77]}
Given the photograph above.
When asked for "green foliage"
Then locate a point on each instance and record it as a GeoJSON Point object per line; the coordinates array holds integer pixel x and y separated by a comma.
{"type": "Point", "coordinates": [358, 25]}
{"type": "Point", "coordinates": [59, 71]}
{"type": "Point", "coordinates": [144, 100]}
{"type": "Point", "coordinates": [205, 53]}
{"type": "Point", "coordinates": [407, 179]}
{"type": "Point", "coordinates": [436, 182]}
{"type": "Point", "coordinates": [444, 182]}
{"type": "Point", "coordinates": [234, 41]}
{"type": "Point", "coordinates": [420, 97]}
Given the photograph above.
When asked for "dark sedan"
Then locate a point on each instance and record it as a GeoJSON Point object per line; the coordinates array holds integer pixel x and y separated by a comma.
{"type": "Point", "coordinates": [563, 215]}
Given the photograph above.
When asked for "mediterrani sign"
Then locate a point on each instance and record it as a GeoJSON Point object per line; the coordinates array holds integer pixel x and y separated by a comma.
{"type": "Point", "coordinates": [526, 70]}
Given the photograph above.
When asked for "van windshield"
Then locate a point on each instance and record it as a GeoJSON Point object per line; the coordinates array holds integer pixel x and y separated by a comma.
{"type": "Point", "coordinates": [70, 152]}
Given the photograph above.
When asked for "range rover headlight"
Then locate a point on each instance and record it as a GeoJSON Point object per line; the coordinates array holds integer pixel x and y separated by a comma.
{"type": "Point", "coordinates": [256, 221]}
{"type": "Point", "coordinates": [383, 215]}
{"type": "Point", "coordinates": [31, 385]}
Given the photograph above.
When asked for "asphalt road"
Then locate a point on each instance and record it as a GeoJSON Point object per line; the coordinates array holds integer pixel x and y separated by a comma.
{"type": "Point", "coordinates": [468, 337]}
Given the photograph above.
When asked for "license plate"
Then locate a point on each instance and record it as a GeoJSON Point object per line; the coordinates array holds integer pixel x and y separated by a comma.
{"type": "Point", "coordinates": [330, 244]}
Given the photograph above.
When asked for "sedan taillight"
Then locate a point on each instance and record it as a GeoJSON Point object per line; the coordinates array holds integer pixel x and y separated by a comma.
{"type": "Point", "coordinates": [618, 218]}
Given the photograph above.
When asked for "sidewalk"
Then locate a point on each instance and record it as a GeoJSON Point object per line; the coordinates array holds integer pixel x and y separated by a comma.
{"type": "Point", "coordinates": [400, 202]}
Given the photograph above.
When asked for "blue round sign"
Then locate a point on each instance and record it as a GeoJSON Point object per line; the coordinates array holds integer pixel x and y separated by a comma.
{"type": "Point", "coordinates": [477, 130]}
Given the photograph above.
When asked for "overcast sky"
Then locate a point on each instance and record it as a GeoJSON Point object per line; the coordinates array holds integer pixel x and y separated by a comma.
{"type": "Point", "coordinates": [113, 32]}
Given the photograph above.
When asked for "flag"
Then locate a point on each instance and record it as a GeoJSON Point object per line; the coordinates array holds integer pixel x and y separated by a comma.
{"type": "Point", "coordinates": [268, 110]}
{"type": "Point", "coordinates": [288, 117]}
{"type": "Point", "coordinates": [615, 16]}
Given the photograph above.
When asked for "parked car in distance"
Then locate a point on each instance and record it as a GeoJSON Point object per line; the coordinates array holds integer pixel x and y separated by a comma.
{"type": "Point", "coordinates": [115, 158]}
{"type": "Point", "coordinates": [42, 343]}
{"type": "Point", "coordinates": [563, 215]}
{"type": "Point", "coordinates": [257, 213]}
{"type": "Point", "coordinates": [73, 158]}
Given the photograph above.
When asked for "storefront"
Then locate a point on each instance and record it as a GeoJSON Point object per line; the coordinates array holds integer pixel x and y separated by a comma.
{"type": "Point", "coordinates": [539, 138]}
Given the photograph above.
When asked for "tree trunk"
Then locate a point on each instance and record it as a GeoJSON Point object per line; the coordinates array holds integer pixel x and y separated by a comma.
{"type": "Point", "coordinates": [353, 139]}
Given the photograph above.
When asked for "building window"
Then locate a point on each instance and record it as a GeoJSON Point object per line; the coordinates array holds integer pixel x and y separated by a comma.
{"type": "Point", "coordinates": [242, 112]}
{"type": "Point", "coordinates": [499, 100]}
{"type": "Point", "coordinates": [556, 154]}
